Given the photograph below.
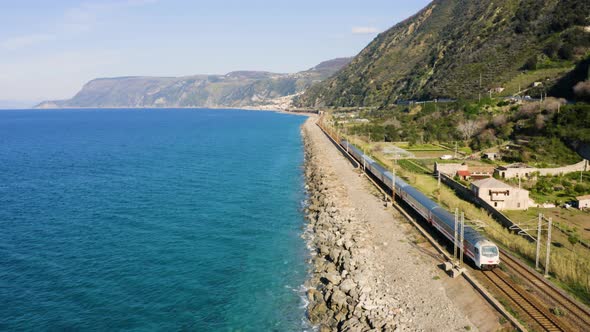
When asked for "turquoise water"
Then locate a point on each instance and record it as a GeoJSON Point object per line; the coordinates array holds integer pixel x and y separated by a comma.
{"type": "Point", "coordinates": [151, 220]}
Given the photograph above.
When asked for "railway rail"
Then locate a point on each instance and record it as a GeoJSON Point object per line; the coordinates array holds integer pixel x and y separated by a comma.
{"type": "Point", "coordinates": [576, 314]}
{"type": "Point", "coordinates": [535, 314]}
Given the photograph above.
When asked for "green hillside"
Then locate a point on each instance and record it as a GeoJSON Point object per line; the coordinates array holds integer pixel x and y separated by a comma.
{"type": "Point", "coordinates": [460, 49]}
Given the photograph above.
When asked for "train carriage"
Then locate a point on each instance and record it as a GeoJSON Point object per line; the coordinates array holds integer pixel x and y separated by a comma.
{"type": "Point", "coordinates": [480, 250]}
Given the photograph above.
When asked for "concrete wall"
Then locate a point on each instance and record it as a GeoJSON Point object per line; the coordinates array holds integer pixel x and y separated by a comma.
{"type": "Point", "coordinates": [510, 173]}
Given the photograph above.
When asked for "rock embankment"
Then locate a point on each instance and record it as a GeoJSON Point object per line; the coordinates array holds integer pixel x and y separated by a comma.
{"type": "Point", "coordinates": [341, 291]}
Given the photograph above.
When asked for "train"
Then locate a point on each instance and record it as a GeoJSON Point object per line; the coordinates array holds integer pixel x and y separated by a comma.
{"type": "Point", "coordinates": [482, 252]}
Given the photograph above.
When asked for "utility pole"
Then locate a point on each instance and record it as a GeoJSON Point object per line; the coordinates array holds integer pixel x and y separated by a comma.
{"type": "Point", "coordinates": [548, 248]}
{"type": "Point", "coordinates": [480, 87]}
{"type": "Point", "coordinates": [538, 241]}
{"type": "Point", "coordinates": [461, 237]}
{"type": "Point", "coordinates": [393, 185]}
{"type": "Point", "coordinates": [438, 190]}
{"type": "Point", "coordinates": [455, 235]}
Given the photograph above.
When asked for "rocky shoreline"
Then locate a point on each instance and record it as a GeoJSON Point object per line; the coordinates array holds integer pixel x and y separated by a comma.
{"type": "Point", "coordinates": [341, 290]}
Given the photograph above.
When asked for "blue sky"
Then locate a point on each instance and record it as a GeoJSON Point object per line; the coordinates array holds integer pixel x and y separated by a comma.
{"type": "Point", "coordinates": [49, 49]}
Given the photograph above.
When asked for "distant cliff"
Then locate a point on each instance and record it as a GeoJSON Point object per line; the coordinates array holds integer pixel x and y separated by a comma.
{"type": "Point", "coordinates": [235, 89]}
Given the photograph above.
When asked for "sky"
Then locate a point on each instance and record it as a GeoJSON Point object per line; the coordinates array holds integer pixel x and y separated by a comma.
{"type": "Point", "coordinates": [49, 49]}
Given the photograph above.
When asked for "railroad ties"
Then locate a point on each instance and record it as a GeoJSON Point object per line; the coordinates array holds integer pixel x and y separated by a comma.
{"type": "Point", "coordinates": [576, 315]}
{"type": "Point", "coordinates": [534, 312]}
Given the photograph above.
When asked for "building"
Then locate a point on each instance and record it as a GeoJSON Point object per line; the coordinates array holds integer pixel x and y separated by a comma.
{"type": "Point", "coordinates": [481, 172]}
{"type": "Point", "coordinates": [449, 169]}
{"type": "Point", "coordinates": [490, 155]}
{"type": "Point", "coordinates": [501, 195]}
{"type": "Point", "coordinates": [464, 171]}
{"type": "Point", "coordinates": [583, 202]}
{"type": "Point", "coordinates": [464, 175]}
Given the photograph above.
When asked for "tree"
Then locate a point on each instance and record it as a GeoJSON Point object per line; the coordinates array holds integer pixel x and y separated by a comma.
{"type": "Point", "coordinates": [468, 128]}
{"type": "Point", "coordinates": [539, 122]}
{"type": "Point", "coordinates": [531, 63]}
{"type": "Point", "coordinates": [566, 52]}
{"type": "Point", "coordinates": [552, 48]}
{"type": "Point", "coordinates": [582, 90]}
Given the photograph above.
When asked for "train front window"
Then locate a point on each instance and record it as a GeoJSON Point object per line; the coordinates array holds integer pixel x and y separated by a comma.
{"type": "Point", "coordinates": [489, 251]}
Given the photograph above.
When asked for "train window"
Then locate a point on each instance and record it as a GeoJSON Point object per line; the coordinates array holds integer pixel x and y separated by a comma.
{"type": "Point", "coordinates": [477, 251]}
{"type": "Point", "coordinates": [489, 251]}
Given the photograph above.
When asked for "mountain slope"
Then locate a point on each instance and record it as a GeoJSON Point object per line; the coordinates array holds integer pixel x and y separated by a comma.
{"type": "Point", "coordinates": [235, 89]}
{"type": "Point", "coordinates": [449, 47]}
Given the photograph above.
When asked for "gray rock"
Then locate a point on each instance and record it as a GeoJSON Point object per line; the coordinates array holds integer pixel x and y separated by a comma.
{"type": "Point", "coordinates": [338, 299]}
{"type": "Point", "coordinates": [333, 278]}
{"type": "Point", "coordinates": [347, 285]}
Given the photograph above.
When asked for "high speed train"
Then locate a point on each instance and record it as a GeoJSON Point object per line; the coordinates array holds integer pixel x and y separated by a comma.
{"type": "Point", "coordinates": [481, 251]}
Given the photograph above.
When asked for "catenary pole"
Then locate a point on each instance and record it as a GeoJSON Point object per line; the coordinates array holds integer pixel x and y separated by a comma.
{"type": "Point", "coordinates": [548, 257]}
{"type": "Point", "coordinates": [538, 241]}
{"type": "Point", "coordinates": [455, 235]}
{"type": "Point", "coordinates": [461, 237]}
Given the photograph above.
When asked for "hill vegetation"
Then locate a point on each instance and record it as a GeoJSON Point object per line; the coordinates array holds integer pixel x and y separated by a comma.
{"type": "Point", "coordinates": [235, 89]}
{"type": "Point", "coordinates": [461, 49]}
{"type": "Point", "coordinates": [543, 134]}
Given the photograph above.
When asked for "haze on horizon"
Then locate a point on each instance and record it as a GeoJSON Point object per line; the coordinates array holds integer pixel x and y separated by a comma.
{"type": "Point", "coordinates": [48, 50]}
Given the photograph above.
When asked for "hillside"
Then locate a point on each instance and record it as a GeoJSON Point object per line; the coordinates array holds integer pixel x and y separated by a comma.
{"type": "Point", "coordinates": [460, 48]}
{"type": "Point", "coordinates": [235, 89]}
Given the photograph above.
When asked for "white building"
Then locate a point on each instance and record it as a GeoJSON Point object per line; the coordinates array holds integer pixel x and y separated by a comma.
{"type": "Point", "coordinates": [501, 195]}
{"type": "Point", "coordinates": [583, 202]}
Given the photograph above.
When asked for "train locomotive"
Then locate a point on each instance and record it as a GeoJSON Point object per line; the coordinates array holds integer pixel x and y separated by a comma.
{"type": "Point", "coordinates": [484, 253]}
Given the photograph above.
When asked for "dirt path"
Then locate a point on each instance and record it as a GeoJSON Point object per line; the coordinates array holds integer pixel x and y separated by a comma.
{"type": "Point", "coordinates": [394, 284]}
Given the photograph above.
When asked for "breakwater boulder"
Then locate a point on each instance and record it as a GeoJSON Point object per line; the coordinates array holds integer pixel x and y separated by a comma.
{"type": "Point", "coordinates": [342, 292]}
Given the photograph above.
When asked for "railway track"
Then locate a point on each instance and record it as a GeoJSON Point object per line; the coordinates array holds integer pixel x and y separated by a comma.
{"type": "Point", "coordinates": [530, 310]}
{"type": "Point", "coordinates": [577, 315]}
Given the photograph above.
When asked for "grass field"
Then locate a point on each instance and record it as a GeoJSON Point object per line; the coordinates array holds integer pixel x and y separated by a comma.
{"type": "Point", "coordinates": [525, 80]}
{"type": "Point", "coordinates": [566, 219]}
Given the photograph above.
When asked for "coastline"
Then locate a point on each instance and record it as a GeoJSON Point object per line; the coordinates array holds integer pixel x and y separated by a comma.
{"type": "Point", "coordinates": [365, 271]}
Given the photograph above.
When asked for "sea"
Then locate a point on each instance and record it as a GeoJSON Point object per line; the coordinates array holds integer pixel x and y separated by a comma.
{"type": "Point", "coordinates": [151, 220]}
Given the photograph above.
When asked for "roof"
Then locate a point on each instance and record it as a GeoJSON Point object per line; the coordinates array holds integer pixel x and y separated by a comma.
{"type": "Point", "coordinates": [585, 197]}
{"type": "Point", "coordinates": [463, 173]}
{"type": "Point", "coordinates": [488, 169]}
{"type": "Point", "coordinates": [518, 165]}
{"type": "Point", "coordinates": [490, 183]}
